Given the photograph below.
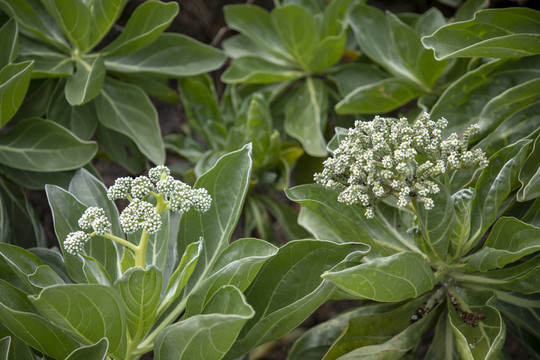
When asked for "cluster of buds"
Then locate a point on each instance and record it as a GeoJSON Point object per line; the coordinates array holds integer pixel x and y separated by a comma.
{"type": "Point", "coordinates": [140, 214]}
{"type": "Point", "coordinates": [387, 156]}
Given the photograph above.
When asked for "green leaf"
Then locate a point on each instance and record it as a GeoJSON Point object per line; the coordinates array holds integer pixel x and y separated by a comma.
{"type": "Point", "coordinates": [256, 70]}
{"type": "Point", "coordinates": [103, 316]}
{"type": "Point", "coordinates": [94, 272]}
{"type": "Point", "coordinates": [509, 240]}
{"type": "Point", "coordinates": [379, 97]}
{"type": "Point", "coordinates": [158, 243]}
{"type": "Point", "coordinates": [200, 102]}
{"type": "Point", "coordinates": [227, 182]}
{"type": "Point", "coordinates": [32, 16]}
{"type": "Point", "coordinates": [495, 184]}
{"type": "Point", "coordinates": [52, 258]}
{"type": "Point", "coordinates": [395, 46]}
{"type": "Point", "coordinates": [48, 61]}
{"type": "Point", "coordinates": [209, 335]}
{"type": "Point", "coordinates": [36, 100]}
{"type": "Point", "coordinates": [169, 55]}
{"type": "Point", "coordinates": [256, 24]}
{"type": "Point", "coordinates": [144, 26]}
{"type": "Point", "coordinates": [258, 128]}
{"type": "Point", "coordinates": [127, 109]}
{"type": "Point", "coordinates": [356, 75]}
{"type": "Point", "coordinates": [4, 347]}
{"type": "Point", "coordinates": [305, 116]}
{"type": "Point", "coordinates": [485, 340]}
{"type": "Point", "coordinates": [522, 277]}
{"type": "Point", "coordinates": [483, 84]}
{"type": "Point", "coordinates": [289, 287]}
{"type": "Point", "coordinates": [529, 176]}
{"type": "Point", "coordinates": [21, 225]}
{"type": "Point", "coordinates": [73, 16]}
{"type": "Point", "coordinates": [316, 341]}
{"type": "Point", "coordinates": [436, 224]}
{"type": "Point", "coordinates": [516, 34]}
{"type": "Point", "coordinates": [80, 120]}
{"type": "Point", "coordinates": [328, 219]}
{"type": "Point", "coordinates": [140, 289]}
{"type": "Point", "coordinates": [14, 81]}
{"type": "Point", "coordinates": [103, 14]}
{"type": "Point", "coordinates": [285, 215]}
{"type": "Point", "coordinates": [181, 275]}
{"type": "Point", "coordinates": [9, 43]}
{"type": "Point", "coordinates": [66, 211]}
{"type": "Point", "coordinates": [461, 222]}
{"type": "Point", "coordinates": [467, 10]}
{"type": "Point", "coordinates": [98, 351]}
{"type": "Point", "coordinates": [86, 83]}
{"type": "Point", "coordinates": [297, 30]}
{"type": "Point", "coordinates": [22, 263]}
{"type": "Point", "coordinates": [394, 278]}
{"type": "Point", "coordinates": [16, 314]}
{"type": "Point", "coordinates": [384, 332]}
{"type": "Point", "coordinates": [122, 150]}
{"type": "Point", "coordinates": [45, 276]}
{"type": "Point", "coordinates": [42, 145]}
{"type": "Point", "coordinates": [184, 146]}
{"type": "Point", "coordinates": [237, 265]}
{"type": "Point", "coordinates": [37, 180]}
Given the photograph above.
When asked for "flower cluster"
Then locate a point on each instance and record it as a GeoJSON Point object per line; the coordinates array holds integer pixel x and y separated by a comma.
{"type": "Point", "coordinates": [387, 157]}
{"type": "Point", "coordinates": [141, 213]}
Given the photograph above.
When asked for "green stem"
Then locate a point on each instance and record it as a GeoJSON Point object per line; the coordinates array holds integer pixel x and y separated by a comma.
{"type": "Point", "coordinates": [121, 241]}
{"type": "Point", "coordinates": [140, 251]}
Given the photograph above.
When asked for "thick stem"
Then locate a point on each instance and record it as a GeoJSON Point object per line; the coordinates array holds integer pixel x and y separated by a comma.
{"type": "Point", "coordinates": [140, 251]}
{"type": "Point", "coordinates": [120, 241]}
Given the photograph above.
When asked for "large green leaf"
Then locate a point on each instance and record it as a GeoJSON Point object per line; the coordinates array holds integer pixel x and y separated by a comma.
{"type": "Point", "coordinates": [104, 14]}
{"type": "Point", "coordinates": [98, 351]}
{"type": "Point", "coordinates": [529, 176]}
{"type": "Point", "coordinates": [258, 129]}
{"type": "Point", "coordinates": [256, 70]}
{"type": "Point", "coordinates": [122, 150]}
{"type": "Point", "coordinates": [17, 314]}
{"type": "Point", "coordinates": [227, 182]}
{"type": "Point", "coordinates": [14, 81]}
{"type": "Point", "coordinates": [20, 224]}
{"type": "Point", "coordinates": [523, 277]}
{"type": "Point", "coordinates": [379, 97]}
{"type": "Point", "coordinates": [36, 100]}
{"type": "Point", "coordinates": [66, 211]}
{"type": "Point", "coordinates": [146, 23]}
{"type": "Point", "coordinates": [483, 84]}
{"type": "Point", "coordinates": [80, 120]}
{"type": "Point", "coordinates": [255, 23]}
{"type": "Point", "coordinates": [86, 83]}
{"type": "Point", "coordinates": [305, 116]}
{"type": "Point", "coordinates": [74, 18]}
{"type": "Point", "coordinates": [127, 109]}
{"type": "Point", "coordinates": [87, 312]}
{"type": "Point", "coordinates": [329, 219]}
{"type": "Point", "coordinates": [387, 334]}
{"type": "Point", "coordinates": [4, 347]}
{"type": "Point", "coordinates": [509, 240]}
{"type": "Point", "coordinates": [297, 30]}
{"type": "Point", "coordinates": [494, 185]}
{"type": "Point", "coordinates": [237, 265]}
{"type": "Point", "coordinates": [169, 55]}
{"type": "Point", "coordinates": [481, 341]}
{"type": "Point", "coordinates": [32, 16]}
{"type": "Point", "coordinates": [22, 264]}
{"type": "Point", "coordinates": [48, 61]}
{"type": "Point", "coordinates": [289, 287]}
{"type": "Point", "coordinates": [9, 43]}
{"type": "Point", "coordinates": [208, 335]}
{"type": "Point", "coordinates": [493, 33]}
{"type": "Point", "coordinates": [394, 278]}
{"type": "Point", "coordinates": [140, 289]}
{"type": "Point", "coordinates": [436, 224]}
{"type": "Point", "coordinates": [42, 145]}
{"type": "Point", "coordinates": [395, 46]}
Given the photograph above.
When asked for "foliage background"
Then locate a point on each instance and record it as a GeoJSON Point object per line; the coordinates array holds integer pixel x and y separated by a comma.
{"type": "Point", "coordinates": [204, 21]}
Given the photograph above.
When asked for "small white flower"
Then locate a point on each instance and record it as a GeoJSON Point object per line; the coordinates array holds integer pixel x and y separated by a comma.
{"type": "Point", "coordinates": [74, 243]}
{"type": "Point", "coordinates": [120, 189]}
{"type": "Point", "coordinates": [141, 187]}
{"type": "Point", "coordinates": [158, 173]}
{"type": "Point", "coordinates": [95, 218]}
{"type": "Point", "coordinates": [140, 214]}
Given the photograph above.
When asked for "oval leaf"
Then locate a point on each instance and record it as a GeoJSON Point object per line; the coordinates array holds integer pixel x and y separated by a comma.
{"type": "Point", "coordinates": [14, 82]}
